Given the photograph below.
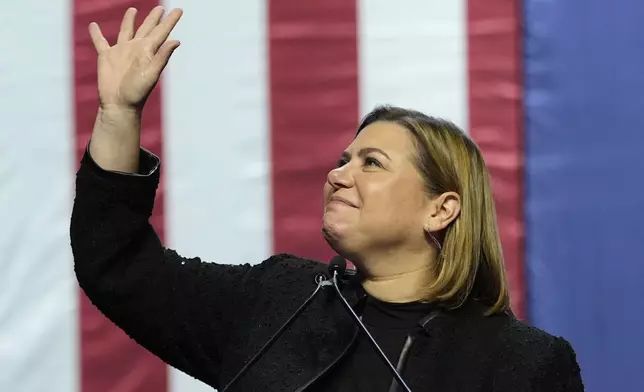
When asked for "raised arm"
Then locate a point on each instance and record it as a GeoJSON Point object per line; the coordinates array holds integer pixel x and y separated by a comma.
{"type": "Point", "coordinates": [177, 308]}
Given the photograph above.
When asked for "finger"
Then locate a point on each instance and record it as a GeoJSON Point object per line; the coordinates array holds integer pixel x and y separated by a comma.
{"type": "Point", "coordinates": [160, 33]}
{"type": "Point", "coordinates": [160, 59]}
{"type": "Point", "coordinates": [99, 41]}
{"type": "Point", "coordinates": [127, 26]}
{"type": "Point", "coordinates": [150, 22]}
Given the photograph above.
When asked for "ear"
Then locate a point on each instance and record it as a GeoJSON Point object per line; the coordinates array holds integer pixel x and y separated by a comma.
{"type": "Point", "coordinates": [444, 209]}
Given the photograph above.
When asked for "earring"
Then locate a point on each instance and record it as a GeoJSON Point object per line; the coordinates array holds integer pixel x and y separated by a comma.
{"type": "Point", "coordinates": [438, 244]}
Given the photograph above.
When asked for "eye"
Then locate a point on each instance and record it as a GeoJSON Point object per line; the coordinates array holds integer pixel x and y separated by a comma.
{"type": "Point", "coordinates": [369, 161]}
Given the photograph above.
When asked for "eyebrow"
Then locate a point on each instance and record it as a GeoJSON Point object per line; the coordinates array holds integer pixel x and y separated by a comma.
{"type": "Point", "coordinates": [365, 151]}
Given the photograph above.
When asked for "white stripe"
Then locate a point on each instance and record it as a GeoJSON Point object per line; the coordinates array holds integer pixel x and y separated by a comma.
{"type": "Point", "coordinates": [216, 138]}
{"type": "Point", "coordinates": [414, 55]}
{"type": "Point", "coordinates": [38, 290]}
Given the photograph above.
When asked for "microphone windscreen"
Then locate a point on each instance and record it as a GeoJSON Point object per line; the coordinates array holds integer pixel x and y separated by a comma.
{"type": "Point", "coordinates": [339, 264]}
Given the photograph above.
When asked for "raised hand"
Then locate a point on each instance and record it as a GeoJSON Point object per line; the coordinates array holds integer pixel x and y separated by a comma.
{"type": "Point", "coordinates": [127, 73]}
{"type": "Point", "coordinates": [129, 70]}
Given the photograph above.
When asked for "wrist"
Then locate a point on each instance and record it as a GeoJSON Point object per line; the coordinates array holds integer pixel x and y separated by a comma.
{"type": "Point", "coordinates": [115, 141]}
{"type": "Point", "coordinates": [111, 113]}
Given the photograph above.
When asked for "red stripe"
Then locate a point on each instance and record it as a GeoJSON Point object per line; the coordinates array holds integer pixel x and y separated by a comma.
{"type": "Point", "coordinates": [495, 101]}
{"type": "Point", "coordinates": [110, 361]}
{"type": "Point", "coordinates": [314, 112]}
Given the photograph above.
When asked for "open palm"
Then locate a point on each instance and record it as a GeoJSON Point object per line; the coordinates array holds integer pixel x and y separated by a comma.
{"type": "Point", "coordinates": [129, 70]}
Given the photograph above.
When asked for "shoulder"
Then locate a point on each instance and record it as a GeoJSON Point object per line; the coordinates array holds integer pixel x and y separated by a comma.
{"type": "Point", "coordinates": [507, 332]}
{"type": "Point", "coordinates": [521, 356]}
{"type": "Point", "coordinates": [286, 262]}
{"type": "Point", "coordinates": [515, 334]}
{"type": "Point", "coordinates": [286, 270]}
{"type": "Point", "coordinates": [550, 360]}
{"type": "Point", "coordinates": [285, 275]}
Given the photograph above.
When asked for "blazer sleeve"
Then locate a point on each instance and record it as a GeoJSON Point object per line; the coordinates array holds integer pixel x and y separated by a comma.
{"type": "Point", "coordinates": [175, 307]}
{"type": "Point", "coordinates": [562, 372]}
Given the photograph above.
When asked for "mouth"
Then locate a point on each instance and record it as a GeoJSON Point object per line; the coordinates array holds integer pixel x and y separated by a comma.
{"type": "Point", "coordinates": [337, 199]}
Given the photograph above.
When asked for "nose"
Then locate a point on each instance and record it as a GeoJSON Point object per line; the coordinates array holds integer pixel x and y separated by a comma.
{"type": "Point", "coordinates": [340, 177]}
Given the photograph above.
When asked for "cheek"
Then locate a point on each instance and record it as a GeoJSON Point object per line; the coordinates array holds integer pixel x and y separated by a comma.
{"type": "Point", "coordinates": [397, 204]}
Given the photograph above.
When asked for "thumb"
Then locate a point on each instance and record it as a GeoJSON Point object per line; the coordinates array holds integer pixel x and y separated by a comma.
{"type": "Point", "coordinates": [160, 59]}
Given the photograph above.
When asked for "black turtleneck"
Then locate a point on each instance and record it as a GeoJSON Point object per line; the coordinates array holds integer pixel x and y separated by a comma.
{"type": "Point", "coordinates": [362, 370]}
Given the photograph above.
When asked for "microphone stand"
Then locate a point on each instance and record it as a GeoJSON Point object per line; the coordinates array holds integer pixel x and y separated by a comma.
{"type": "Point", "coordinates": [356, 318]}
{"type": "Point", "coordinates": [322, 282]}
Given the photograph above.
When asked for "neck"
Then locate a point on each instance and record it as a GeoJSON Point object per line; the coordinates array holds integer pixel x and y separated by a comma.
{"type": "Point", "coordinates": [397, 281]}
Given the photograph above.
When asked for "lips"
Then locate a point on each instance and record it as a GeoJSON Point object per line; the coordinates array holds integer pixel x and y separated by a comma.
{"type": "Point", "coordinates": [342, 200]}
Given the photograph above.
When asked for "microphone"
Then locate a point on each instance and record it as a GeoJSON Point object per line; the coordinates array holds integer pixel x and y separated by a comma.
{"type": "Point", "coordinates": [337, 268]}
{"type": "Point", "coordinates": [321, 281]}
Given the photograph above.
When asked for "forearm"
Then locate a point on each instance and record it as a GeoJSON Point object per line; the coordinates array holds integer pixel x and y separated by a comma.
{"type": "Point", "coordinates": [116, 139]}
{"type": "Point", "coordinates": [122, 266]}
{"type": "Point", "coordinates": [109, 211]}
{"type": "Point", "coordinates": [164, 301]}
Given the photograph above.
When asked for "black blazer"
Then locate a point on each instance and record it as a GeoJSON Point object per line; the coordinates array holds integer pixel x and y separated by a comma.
{"type": "Point", "coordinates": [208, 319]}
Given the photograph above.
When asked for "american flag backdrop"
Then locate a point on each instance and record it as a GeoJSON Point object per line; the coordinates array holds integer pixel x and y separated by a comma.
{"type": "Point", "coordinates": [255, 107]}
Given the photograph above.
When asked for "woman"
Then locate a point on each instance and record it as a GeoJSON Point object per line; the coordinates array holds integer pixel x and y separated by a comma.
{"type": "Point", "coordinates": [409, 203]}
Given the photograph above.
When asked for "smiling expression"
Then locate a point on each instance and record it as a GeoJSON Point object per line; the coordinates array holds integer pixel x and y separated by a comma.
{"type": "Point", "coordinates": [375, 197]}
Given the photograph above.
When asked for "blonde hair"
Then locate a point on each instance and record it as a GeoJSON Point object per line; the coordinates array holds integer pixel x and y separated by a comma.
{"type": "Point", "coordinates": [470, 263]}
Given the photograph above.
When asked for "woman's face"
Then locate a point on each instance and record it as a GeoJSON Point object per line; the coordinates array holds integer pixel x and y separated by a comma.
{"type": "Point", "coordinates": [375, 200]}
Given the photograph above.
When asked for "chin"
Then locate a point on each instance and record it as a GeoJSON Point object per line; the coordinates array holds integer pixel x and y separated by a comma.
{"type": "Point", "coordinates": [338, 239]}
{"type": "Point", "coordinates": [334, 228]}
